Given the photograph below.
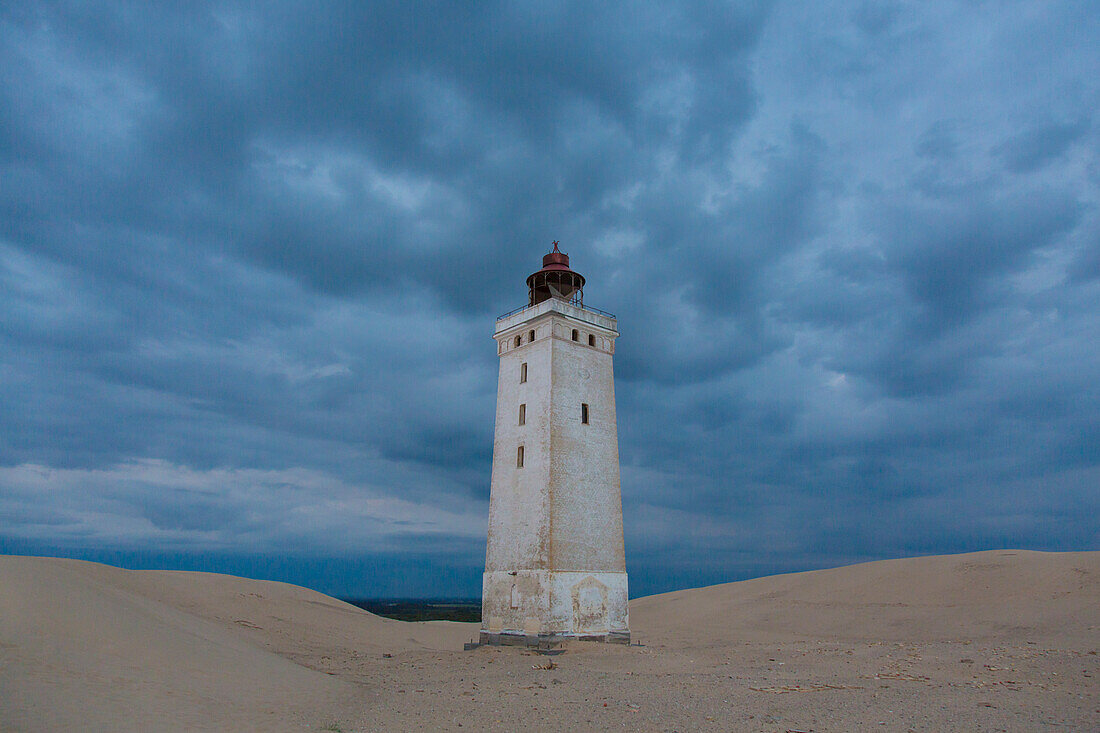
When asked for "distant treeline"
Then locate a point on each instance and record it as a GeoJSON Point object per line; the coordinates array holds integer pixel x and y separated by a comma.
{"type": "Point", "coordinates": [421, 609]}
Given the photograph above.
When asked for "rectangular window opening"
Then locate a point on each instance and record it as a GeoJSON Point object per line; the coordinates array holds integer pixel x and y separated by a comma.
{"type": "Point", "coordinates": [523, 372]}
{"type": "Point", "coordinates": [519, 457]}
{"type": "Point", "coordinates": [584, 413]}
{"type": "Point", "coordinates": [523, 414]}
{"type": "Point", "coordinates": [591, 340]}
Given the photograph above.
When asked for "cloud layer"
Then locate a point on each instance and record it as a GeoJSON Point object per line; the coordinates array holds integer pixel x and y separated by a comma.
{"type": "Point", "coordinates": [250, 261]}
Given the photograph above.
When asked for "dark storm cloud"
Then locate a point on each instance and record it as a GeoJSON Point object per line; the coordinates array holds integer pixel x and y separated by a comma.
{"type": "Point", "coordinates": [1040, 145]}
{"type": "Point", "coordinates": [249, 262]}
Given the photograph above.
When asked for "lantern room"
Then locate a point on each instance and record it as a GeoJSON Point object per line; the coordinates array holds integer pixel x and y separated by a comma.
{"type": "Point", "coordinates": [555, 280]}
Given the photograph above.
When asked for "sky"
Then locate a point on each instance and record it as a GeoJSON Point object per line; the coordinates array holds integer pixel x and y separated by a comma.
{"type": "Point", "coordinates": [251, 256]}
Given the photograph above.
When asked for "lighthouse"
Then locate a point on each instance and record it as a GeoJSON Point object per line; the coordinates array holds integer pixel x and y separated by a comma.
{"type": "Point", "coordinates": [555, 566]}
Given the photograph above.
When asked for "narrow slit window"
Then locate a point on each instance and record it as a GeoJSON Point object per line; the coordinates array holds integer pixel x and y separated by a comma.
{"type": "Point", "coordinates": [584, 413]}
{"type": "Point", "coordinates": [519, 457]}
{"type": "Point", "coordinates": [576, 335]}
{"type": "Point", "coordinates": [531, 335]}
{"type": "Point", "coordinates": [523, 414]}
{"type": "Point", "coordinates": [519, 340]}
{"type": "Point", "coordinates": [591, 340]}
{"type": "Point", "coordinates": [523, 372]}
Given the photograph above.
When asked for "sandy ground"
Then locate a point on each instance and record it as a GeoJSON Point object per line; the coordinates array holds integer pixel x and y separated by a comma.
{"type": "Point", "coordinates": [1003, 640]}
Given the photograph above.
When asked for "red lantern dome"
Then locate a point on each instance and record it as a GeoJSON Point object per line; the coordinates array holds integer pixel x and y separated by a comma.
{"type": "Point", "coordinates": [555, 280]}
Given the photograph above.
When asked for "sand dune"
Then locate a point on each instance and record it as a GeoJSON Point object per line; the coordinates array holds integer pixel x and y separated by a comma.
{"type": "Point", "coordinates": [88, 646]}
{"type": "Point", "coordinates": [1009, 593]}
{"type": "Point", "coordinates": [985, 641]}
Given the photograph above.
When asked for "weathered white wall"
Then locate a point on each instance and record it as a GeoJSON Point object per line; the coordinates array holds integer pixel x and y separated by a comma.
{"type": "Point", "coordinates": [555, 562]}
{"type": "Point", "coordinates": [518, 510]}
{"type": "Point", "coordinates": [585, 508]}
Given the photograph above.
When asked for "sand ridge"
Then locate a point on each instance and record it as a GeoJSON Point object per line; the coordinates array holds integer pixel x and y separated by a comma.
{"type": "Point", "coordinates": [938, 598]}
{"type": "Point", "coordinates": [1000, 640]}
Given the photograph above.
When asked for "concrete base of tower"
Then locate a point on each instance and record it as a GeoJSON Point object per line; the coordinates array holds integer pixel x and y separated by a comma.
{"type": "Point", "coordinates": [546, 604]}
{"type": "Point", "coordinates": [543, 641]}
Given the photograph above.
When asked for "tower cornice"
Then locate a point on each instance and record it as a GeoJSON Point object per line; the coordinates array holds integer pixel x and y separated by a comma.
{"type": "Point", "coordinates": [585, 315]}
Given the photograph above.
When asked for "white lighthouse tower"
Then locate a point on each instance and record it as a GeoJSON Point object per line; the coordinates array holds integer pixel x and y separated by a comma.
{"type": "Point", "coordinates": [555, 566]}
